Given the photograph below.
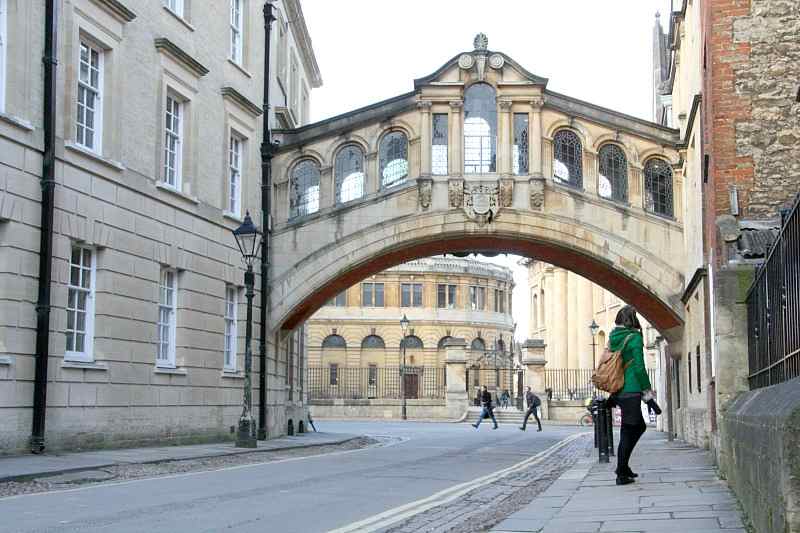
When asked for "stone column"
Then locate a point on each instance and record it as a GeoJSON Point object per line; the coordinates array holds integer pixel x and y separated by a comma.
{"type": "Point", "coordinates": [635, 187]}
{"type": "Point", "coordinates": [456, 134]}
{"type": "Point", "coordinates": [572, 314]}
{"type": "Point", "coordinates": [425, 138]}
{"type": "Point", "coordinates": [557, 321]}
{"type": "Point", "coordinates": [585, 315]}
{"type": "Point", "coordinates": [372, 171]}
{"type": "Point", "coordinates": [504, 137]}
{"type": "Point", "coordinates": [535, 138]}
{"type": "Point", "coordinates": [534, 362]}
{"type": "Point", "coordinates": [590, 172]}
{"type": "Point", "coordinates": [456, 397]}
{"type": "Point", "coordinates": [327, 193]}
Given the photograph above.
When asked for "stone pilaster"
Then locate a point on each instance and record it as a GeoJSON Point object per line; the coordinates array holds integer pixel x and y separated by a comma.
{"type": "Point", "coordinates": [372, 173]}
{"type": "Point", "coordinates": [534, 361]}
{"type": "Point", "coordinates": [505, 137]}
{"type": "Point", "coordinates": [425, 138]}
{"type": "Point", "coordinates": [327, 192]}
{"type": "Point", "coordinates": [456, 398]}
{"type": "Point", "coordinates": [456, 134]}
{"type": "Point", "coordinates": [535, 138]}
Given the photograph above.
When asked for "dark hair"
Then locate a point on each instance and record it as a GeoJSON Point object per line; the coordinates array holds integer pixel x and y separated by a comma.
{"type": "Point", "coordinates": [627, 318]}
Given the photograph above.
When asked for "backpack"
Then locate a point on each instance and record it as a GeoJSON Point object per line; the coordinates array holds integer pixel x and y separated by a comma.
{"type": "Point", "coordinates": [610, 373]}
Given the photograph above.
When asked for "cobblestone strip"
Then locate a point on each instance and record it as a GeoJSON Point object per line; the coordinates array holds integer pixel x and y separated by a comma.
{"type": "Point", "coordinates": [127, 472]}
{"type": "Point", "coordinates": [488, 505]}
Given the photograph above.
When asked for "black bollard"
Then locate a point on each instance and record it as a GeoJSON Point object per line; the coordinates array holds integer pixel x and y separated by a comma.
{"type": "Point", "coordinates": [602, 431]}
{"type": "Point", "coordinates": [593, 411]}
{"type": "Point", "coordinates": [611, 432]}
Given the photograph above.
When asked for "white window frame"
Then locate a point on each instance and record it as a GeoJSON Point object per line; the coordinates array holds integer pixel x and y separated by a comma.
{"type": "Point", "coordinates": [87, 354]}
{"type": "Point", "coordinates": [176, 6]}
{"type": "Point", "coordinates": [3, 52]}
{"type": "Point", "coordinates": [174, 113]}
{"type": "Point", "coordinates": [93, 92]}
{"type": "Point", "coordinates": [237, 31]}
{"type": "Point", "coordinates": [229, 358]}
{"type": "Point", "coordinates": [168, 281]}
{"type": "Point", "coordinates": [235, 153]}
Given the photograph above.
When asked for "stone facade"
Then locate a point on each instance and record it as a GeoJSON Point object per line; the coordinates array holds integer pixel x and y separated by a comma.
{"type": "Point", "coordinates": [148, 229]}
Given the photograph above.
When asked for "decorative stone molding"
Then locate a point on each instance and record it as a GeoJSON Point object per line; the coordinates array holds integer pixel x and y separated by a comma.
{"type": "Point", "coordinates": [425, 192]}
{"type": "Point", "coordinates": [455, 192]}
{"type": "Point", "coordinates": [480, 57]}
{"type": "Point", "coordinates": [166, 46]}
{"type": "Point", "coordinates": [504, 105]}
{"type": "Point", "coordinates": [537, 103]}
{"type": "Point", "coordinates": [117, 9]}
{"type": "Point", "coordinates": [424, 105]}
{"type": "Point", "coordinates": [229, 93]}
{"type": "Point", "coordinates": [456, 104]}
{"type": "Point", "coordinates": [536, 192]}
{"type": "Point", "coordinates": [506, 192]}
{"type": "Point", "coordinates": [482, 202]}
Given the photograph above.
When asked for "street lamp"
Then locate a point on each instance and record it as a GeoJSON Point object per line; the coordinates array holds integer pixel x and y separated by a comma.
{"type": "Point", "coordinates": [404, 326]}
{"type": "Point", "coordinates": [593, 327]}
{"type": "Point", "coordinates": [248, 239]}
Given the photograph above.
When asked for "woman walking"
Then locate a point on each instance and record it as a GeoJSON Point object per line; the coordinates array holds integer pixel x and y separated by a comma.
{"type": "Point", "coordinates": [627, 336]}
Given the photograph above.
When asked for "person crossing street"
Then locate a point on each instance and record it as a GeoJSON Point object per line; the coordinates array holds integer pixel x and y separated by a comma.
{"type": "Point", "coordinates": [486, 408]}
{"type": "Point", "coordinates": [533, 402]}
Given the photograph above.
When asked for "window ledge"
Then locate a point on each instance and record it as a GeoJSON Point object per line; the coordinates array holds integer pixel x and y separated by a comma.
{"type": "Point", "coordinates": [240, 68]}
{"type": "Point", "coordinates": [16, 121]}
{"type": "Point", "coordinates": [93, 155]}
{"type": "Point", "coordinates": [169, 371]}
{"type": "Point", "coordinates": [232, 374]}
{"type": "Point", "coordinates": [233, 216]}
{"type": "Point", "coordinates": [6, 360]}
{"type": "Point", "coordinates": [180, 18]}
{"type": "Point", "coordinates": [85, 366]}
{"type": "Point", "coordinates": [180, 194]}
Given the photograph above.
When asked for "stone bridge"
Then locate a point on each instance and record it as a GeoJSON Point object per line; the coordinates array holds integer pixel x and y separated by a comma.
{"type": "Point", "coordinates": [479, 157]}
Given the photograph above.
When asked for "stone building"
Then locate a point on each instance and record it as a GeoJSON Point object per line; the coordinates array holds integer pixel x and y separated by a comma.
{"type": "Point", "coordinates": [158, 108]}
{"type": "Point", "coordinates": [359, 330]}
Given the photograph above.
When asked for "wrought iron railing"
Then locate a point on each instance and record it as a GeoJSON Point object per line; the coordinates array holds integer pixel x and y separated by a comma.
{"type": "Point", "coordinates": [496, 380]}
{"type": "Point", "coordinates": [773, 309]}
{"type": "Point", "coordinates": [576, 384]}
{"type": "Point", "coordinates": [364, 383]}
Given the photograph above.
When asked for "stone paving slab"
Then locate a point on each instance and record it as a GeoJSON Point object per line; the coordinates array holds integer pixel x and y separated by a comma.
{"type": "Point", "coordinates": [20, 467]}
{"type": "Point", "coordinates": [678, 490]}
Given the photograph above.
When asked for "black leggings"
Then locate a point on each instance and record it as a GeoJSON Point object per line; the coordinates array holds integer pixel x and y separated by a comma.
{"type": "Point", "coordinates": [633, 427]}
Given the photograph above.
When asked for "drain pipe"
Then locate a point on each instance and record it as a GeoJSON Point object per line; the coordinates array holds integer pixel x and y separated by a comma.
{"type": "Point", "coordinates": [266, 218]}
{"type": "Point", "coordinates": [46, 226]}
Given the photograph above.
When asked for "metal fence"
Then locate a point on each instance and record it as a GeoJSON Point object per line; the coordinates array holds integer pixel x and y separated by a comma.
{"type": "Point", "coordinates": [773, 309]}
{"type": "Point", "coordinates": [364, 383]}
{"type": "Point", "coordinates": [496, 380]}
{"type": "Point", "coordinates": [572, 384]}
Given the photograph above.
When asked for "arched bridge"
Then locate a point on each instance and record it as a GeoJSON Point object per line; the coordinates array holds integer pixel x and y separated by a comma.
{"type": "Point", "coordinates": [480, 156]}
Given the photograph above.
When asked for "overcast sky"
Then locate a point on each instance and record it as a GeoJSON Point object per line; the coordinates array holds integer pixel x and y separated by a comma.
{"type": "Point", "coordinates": [595, 50]}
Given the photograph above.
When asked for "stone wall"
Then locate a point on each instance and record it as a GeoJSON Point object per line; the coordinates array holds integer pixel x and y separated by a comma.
{"type": "Point", "coordinates": [380, 408]}
{"type": "Point", "coordinates": [760, 437]}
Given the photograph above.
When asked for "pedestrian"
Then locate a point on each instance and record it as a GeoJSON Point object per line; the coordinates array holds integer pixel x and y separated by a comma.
{"type": "Point", "coordinates": [533, 403]}
{"type": "Point", "coordinates": [504, 399]}
{"type": "Point", "coordinates": [311, 421]}
{"type": "Point", "coordinates": [486, 408]}
{"type": "Point", "coordinates": [627, 336]}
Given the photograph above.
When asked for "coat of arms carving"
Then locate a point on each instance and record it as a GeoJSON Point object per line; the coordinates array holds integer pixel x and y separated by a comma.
{"type": "Point", "coordinates": [481, 202]}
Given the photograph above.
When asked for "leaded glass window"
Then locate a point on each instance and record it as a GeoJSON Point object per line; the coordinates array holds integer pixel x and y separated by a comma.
{"type": "Point", "coordinates": [334, 341]}
{"type": "Point", "coordinates": [478, 345]}
{"type": "Point", "coordinates": [442, 341]}
{"type": "Point", "coordinates": [393, 154]}
{"type": "Point", "coordinates": [520, 149]}
{"type": "Point", "coordinates": [480, 129]}
{"type": "Point", "coordinates": [568, 159]}
{"type": "Point", "coordinates": [349, 174]}
{"type": "Point", "coordinates": [413, 342]}
{"type": "Point", "coordinates": [439, 145]}
{"type": "Point", "coordinates": [304, 189]}
{"type": "Point", "coordinates": [658, 187]}
{"type": "Point", "coordinates": [373, 341]}
{"type": "Point", "coordinates": [613, 179]}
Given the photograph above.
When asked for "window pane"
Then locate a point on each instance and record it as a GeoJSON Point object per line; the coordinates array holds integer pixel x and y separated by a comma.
{"type": "Point", "coordinates": [568, 158]}
{"type": "Point", "coordinates": [366, 294]}
{"type": "Point", "coordinates": [393, 159]}
{"type": "Point", "coordinates": [441, 296]}
{"type": "Point", "coordinates": [304, 189]}
{"type": "Point", "coordinates": [451, 297]}
{"type": "Point", "coordinates": [379, 295]}
{"type": "Point", "coordinates": [349, 174]}
{"type": "Point", "coordinates": [439, 145]}
{"type": "Point", "coordinates": [405, 295]}
{"type": "Point", "coordinates": [417, 295]}
{"type": "Point", "coordinates": [480, 129]}
{"type": "Point", "coordinates": [520, 150]}
{"type": "Point", "coordinates": [613, 179]}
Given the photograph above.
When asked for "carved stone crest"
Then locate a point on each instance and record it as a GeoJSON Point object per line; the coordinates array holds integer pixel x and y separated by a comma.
{"type": "Point", "coordinates": [481, 42]}
{"type": "Point", "coordinates": [481, 202]}
{"type": "Point", "coordinates": [506, 192]}
{"type": "Point", "coordinates": [536, 186]}
{"type": "Point", "coordinates": [425, 191]}
{"type": "Point", "coordinates": [455, 193]}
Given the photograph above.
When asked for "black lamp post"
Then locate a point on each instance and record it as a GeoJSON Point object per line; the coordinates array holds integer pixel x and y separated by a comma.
{"type": "Point", "coordinates": [404, 326]}
{"type": "Point", "coordinates": [248, 238]}
{"type": "Point", "coordinates": [593, 327]}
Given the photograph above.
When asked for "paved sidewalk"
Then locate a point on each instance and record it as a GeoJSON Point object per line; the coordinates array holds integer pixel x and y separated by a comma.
{"type": "Point", "coordinates": [677, 490]}
{"type": "Point", "coordinates": [19, 467]}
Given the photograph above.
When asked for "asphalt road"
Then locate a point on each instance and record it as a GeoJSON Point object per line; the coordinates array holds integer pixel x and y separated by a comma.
{"type": "Point", "coordinates": [305, 495]}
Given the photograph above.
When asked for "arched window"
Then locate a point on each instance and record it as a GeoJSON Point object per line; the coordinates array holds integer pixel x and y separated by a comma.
{"type": "Point", "coordinates": [304, 189]}
{"type": "Point", "coordinates": [658, 187]}
{"type": "Point", "coordinates": [412, 342]}
{"type": "Point", "coordinates": [334, 341]}
{"type": "Point", "coordinates": [373, 341]}
{"type": "Point", "coordinates": [480, 129]}
{"type": "Point", "coordinates": [443, 340]}
{"type": "Point", "coordinates": [393, 155]}
{"type": "Point", "coordinates": [478, 345]}
{"type": "Point", "coordinates": [568, 158]}
{"type": "Point", "coordinates": [613, 179]}
{"type": "Point", "coordinates": [349, 173]}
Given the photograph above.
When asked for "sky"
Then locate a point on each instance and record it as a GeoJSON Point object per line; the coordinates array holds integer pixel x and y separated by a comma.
{"type": "Point", "coordinates": [594, 50]}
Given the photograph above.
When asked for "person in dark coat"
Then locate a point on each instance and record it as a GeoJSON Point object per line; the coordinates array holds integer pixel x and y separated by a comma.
{"type": "Point", "coordinates": [533, 402]}
{"type": "Point", "coordinates": [627, 336]}
{"type": "Point", "coordinates": [486, 408]}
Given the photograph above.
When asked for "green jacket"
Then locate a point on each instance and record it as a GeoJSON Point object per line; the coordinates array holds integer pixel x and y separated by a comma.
{"type": "Point", "coordinates": [636, 379]}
